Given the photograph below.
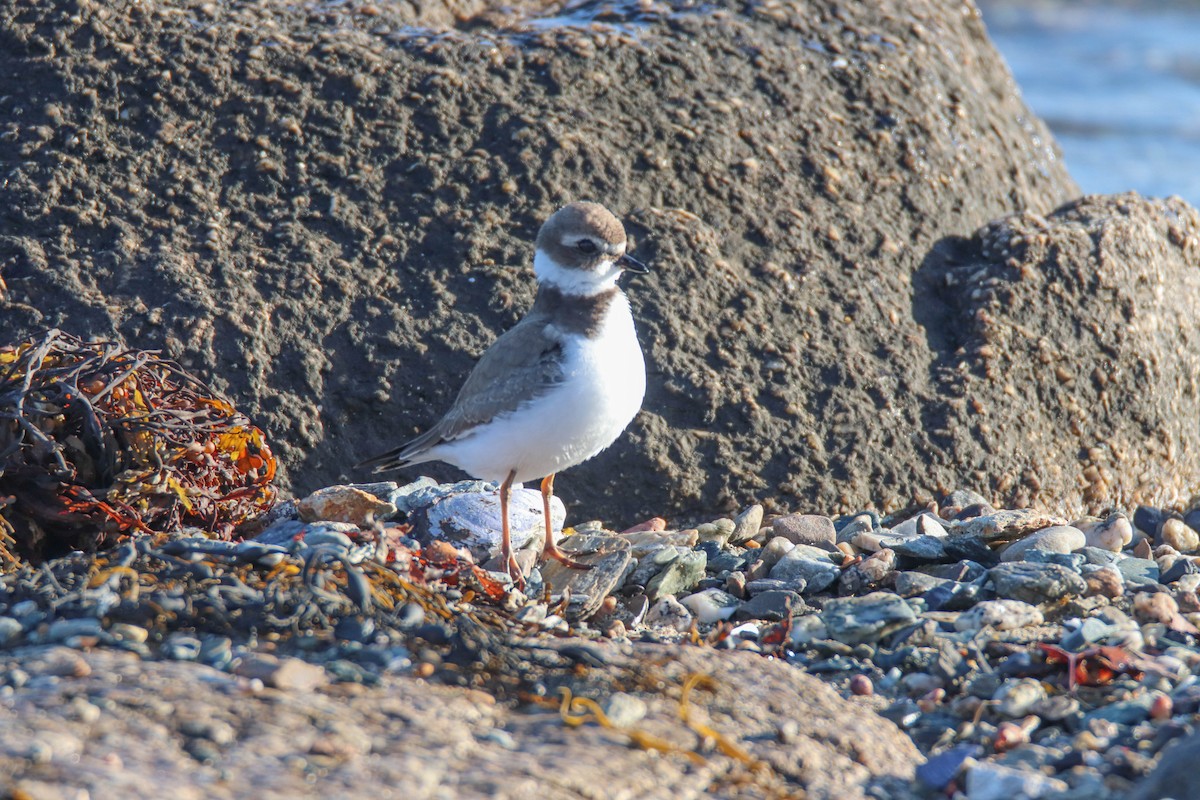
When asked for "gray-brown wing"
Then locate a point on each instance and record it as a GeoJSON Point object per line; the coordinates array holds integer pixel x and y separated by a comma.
{"type": "Point", "coordinates": [520, 366]}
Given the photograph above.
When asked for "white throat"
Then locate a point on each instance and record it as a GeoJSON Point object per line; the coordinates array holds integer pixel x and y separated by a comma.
{"type": "Point", "coordinates": [574, 281]}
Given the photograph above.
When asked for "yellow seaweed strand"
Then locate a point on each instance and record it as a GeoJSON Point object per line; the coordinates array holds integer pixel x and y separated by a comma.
{"type": "Point", "coordinates": [723, 743]}
{"type": "Point", "coordinates": [576, 711]}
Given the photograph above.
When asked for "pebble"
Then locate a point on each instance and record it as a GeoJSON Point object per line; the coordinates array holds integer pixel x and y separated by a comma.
{"type": "Point", "coordinates": [990, 781]}
{"type": "Point", "coordinates": [810, 529]}
{"type": "Point", "coordinates": [1138, 571]}
{"type": "Point", "coordinates": [960, 571]}
{"type": "Point", "coordinates": [970, 547]}
{"type": "Point", "coordinates": [62, 629]}
{"type": "Point", "coordinates": [1129, 712]}
{"type": "Point", "coordinates": [216, 651]}
{"type": "Point", "coordinates": [726, 561]}
{"type": "Point", "coordinates": [1181, 568]}
{"type": "Point", "coordinates": [214, 730]}
{"type": "Point", "coordinates": [1035, 583]}
{"type": "Point", "coordinates": [770, 584]}
{"type": "Point", "coordinates": [851, 527]}
{"type": "Point", "coordinates": [1155, 607]}
{"type": "Point", "coordinates": [287, 674]}
{"type": "Point", "coordinates": [10, 629]}
{"type": "Point", "coordinates": [718, 532]}
{"type": "Point", "coordinates": [679, 576]}
{"type": "Point", "coordinates": [772, 605]}
{"type": "Point", "coordinates": [643, 543]}
{"type": "Point", "coordinates": [1100, 557]}
{"type": "Point", "coordinates": [624, 710]}
{"type": "Point", "coordinates": [1072, 561]}
{"type": "Point", "coordinates": [990, 697]}
{"type": "Point", "coordinates": [1147, 519]}
{"type": "Point", "coordinates": [922, 548]}
{"type": "Point", "coordinates": [1105, 582]}
{"type": "Point", "coordinates": [355, 629]}
{"type": "Point", "coordinates": [794, 566]}
{"type": "Point", "coordinates": [1055, 539]}
{"type": "Point", "coordinates": [909, 583]}
{"type": "Point", "coordinates": [1112, 534]}
{"type": "Point", "coordinates": [80, 709]}
{"type": "Point", "coordinates": [1056, 708]}
{"type": "Point", "coordinates": [181, 647]}
{"type": "Point", "coordinates": [1002, 524]}
{"type": "Point", "coordinates": [711, 605]}
{"type": "Point", "coordinates": [952, 596]}
{"type": "Point", "coordinates": [467, 514]}
{"type": "Point", "coordinates": [1175, 533]}
{"type": "Point", "coordinates": [669, 613]}
{"type": "Point", "coordinates": [747, 524]}
{"type": "Point", "coordinates": [58, 662]}
{"type": "Point", "coordinates": [924, 524]}
{"type": "Point", "coordinates": [861, 686]}
{"type": "Point", "coordinates": [869, 618]}
{"type": "Point", "coordinates": [401, 496]}
{"type": "Point", "coordinates": [325, 536]}
{"type": "Point", "coordinates": [344, 504]}
{"type": "Point", "coordinates": [1017, 698]}
{"type": "Point", "coordinates": [1001, 615]}
{"type": "Point", "coordinates": [769, 555]}
{"type": "Point", "coordinates": [939, 770]}
{"type": "Point", "coordinates": [868, 574]}
{"type": "Point", "coordinates": [654, 562]}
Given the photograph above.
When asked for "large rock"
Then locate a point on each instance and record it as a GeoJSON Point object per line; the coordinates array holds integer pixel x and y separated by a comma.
{"type": "Point", "coordinates": [329, 211]}
{"type": "Point", "coordinates": [1065, 353]}
{"type": "Point", "coordinates": [184, 730]}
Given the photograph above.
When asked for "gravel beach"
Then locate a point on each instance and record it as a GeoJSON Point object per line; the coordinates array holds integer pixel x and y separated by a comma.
{"type": "Point", "coordinates": [962, 651]}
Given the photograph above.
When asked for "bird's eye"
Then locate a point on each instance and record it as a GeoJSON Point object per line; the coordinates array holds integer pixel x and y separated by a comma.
{"type": "Point", "coordinates": [586, 246]}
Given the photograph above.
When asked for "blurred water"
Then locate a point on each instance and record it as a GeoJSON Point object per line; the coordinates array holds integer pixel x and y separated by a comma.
{"type": "Point", "coordinates": [1119, 85]}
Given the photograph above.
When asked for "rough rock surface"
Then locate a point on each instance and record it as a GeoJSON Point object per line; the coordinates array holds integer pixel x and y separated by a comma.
{"type": "Point", "coordinates": [328, 211]}
{"type": "Point", "coordinates": [1067, 361]}
{"type": "Point", "coordinates": [120, 726]}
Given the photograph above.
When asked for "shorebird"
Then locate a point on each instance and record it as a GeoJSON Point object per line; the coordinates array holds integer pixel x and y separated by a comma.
{"type": "Point", "coordinates": [559, 386]}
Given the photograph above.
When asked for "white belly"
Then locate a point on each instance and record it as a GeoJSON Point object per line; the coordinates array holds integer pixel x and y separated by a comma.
{"type": "Point", "coordinates": [603, 387]}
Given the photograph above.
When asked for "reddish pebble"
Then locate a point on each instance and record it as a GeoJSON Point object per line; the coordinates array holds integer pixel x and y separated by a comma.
{"type": "Point", "coordinates": [440, 552]}
{"type": "Point", "coordinates": [861, 685]}
{"type": "Point", "coordinates": [931, 700]}
{"type": "Point", "coordinates": [1008, 736]}
{"type": "Point", "coordinates": [425, 669]}
{"type": "Point", "coordinates": [652, 524]}
{"type": "Point", "coordinates": [1162, 708]}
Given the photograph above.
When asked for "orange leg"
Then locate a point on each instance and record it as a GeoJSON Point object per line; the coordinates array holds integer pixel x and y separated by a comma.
{"type": "Point", "coordinates": [551, 550]}
{"type": "Point", "coordinates": [506, 551]}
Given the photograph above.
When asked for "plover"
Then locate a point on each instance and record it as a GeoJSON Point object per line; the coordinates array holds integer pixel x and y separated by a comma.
{"type": "Point", "coordinates": [558, 387]}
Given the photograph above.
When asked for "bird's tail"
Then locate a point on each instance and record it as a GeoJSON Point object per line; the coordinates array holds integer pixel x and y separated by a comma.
{"type": "Point", "coordinates": [412, 452]}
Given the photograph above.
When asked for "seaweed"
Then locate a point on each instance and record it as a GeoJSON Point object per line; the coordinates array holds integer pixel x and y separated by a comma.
{"type": "Point", "coordinates": [99, 443]}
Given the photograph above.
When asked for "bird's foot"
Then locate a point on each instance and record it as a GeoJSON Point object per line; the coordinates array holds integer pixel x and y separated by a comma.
{"type": "Point", "coordinates": [514, 572]}
{"type": "Point", "coordinates": [553, 551]}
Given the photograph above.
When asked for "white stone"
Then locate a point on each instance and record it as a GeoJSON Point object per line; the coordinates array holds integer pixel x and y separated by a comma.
{"type": "Point", "coordinates": [1055, 539]}
{"type": "Point", "coordinates": [471, 519]}
{"type": "Point", "coordinates": [923, 524]}
{"type": "Point", "coordinates": [1001, 615]}
{"type": "Point", "coordinates": [987, 781]}
{"type": "Point", "coordinates": [669, 613]}
{"type": "Point", "coordinates": [711, 605]}
{"type": "Point", "coordinates": [1111, 534]}
{"type": "Point", "coordinates": [1175, 533]}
